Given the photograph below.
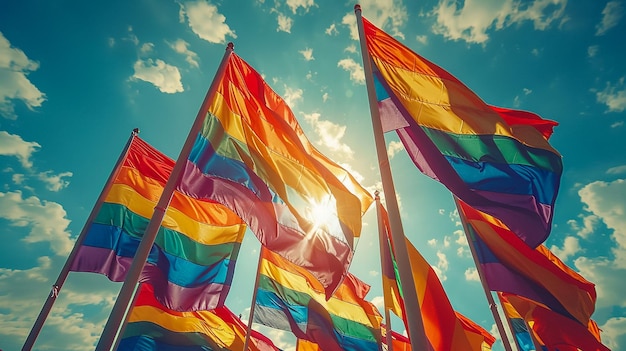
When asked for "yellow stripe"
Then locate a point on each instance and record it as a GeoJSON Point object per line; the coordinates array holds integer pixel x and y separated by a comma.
{"type": "Point", "coordinates": [203, 322]}
{"type": "Point", "coordinates": [203, 233]}
{"type": "Point", "coordinates": [202, 211]}
{"type": "Point", "coordinates": [441, 103]}
{"type": "Point", "coordinates": [298, 283]}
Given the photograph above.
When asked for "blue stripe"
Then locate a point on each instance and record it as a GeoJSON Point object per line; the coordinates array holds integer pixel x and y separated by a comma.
{"type": "Point", "coordinates": [178, 270]}
{"type": "Point", "coordinates": [381, 92]}
{"type": "Point", "coordinates": [146, 343]}
{"type": "Point", "coordinates": [508, 178]}
{"type": "Point", "coordinates": [298, 313]}
{"type": "Point", "coordinates": [484, 253]}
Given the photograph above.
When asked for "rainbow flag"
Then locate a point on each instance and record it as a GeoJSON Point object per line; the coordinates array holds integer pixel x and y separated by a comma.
{"type": "Point", "coordinates": [519, 328]}
{"type": "Point", "coordinates": [392, 289]}
{"type": "Point", "coordinates": [192, 262]}
{"type": "Point", "coordinates": [509, 265]}
{"type": "Point", "coordinates": [253, 157]}
{"type": "Point", "coordinates": [289, 298]}
{"type": "Point", "coordinates": [153, 327]}
{"type": "Point", "coordinates": [444, 328]}
{"type": "Point", "coordinates": [555, 331]}
{"type": "Point", "coordinates": [497, 160]}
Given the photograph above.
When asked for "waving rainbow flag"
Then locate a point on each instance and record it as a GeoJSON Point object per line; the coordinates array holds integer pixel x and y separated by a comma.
{"type": "Point", "coordinates": [511, 266]}
{"type": "Point", "coordinates": [192, 262]}
{"type": "Point", "coordinates": [495, 159]}
{"type": "Point", "coordinates": [253, 157]}
{"type": "Point", "coordinates": [289, 298]}
{"type": "Point", "coordinates": [152, 326]}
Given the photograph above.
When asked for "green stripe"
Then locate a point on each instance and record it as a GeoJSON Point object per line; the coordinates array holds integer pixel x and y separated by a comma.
{"type": "Point", "coordinates": [164, 335]}
{"type": "Point", "coordinates": [170, 241]}
{"type": "Point", "coordinates": [493, 149]}
{"type": "Point", "coordinates": [223, 143]}
{"type": "Point", "coordinates": [342, 325]}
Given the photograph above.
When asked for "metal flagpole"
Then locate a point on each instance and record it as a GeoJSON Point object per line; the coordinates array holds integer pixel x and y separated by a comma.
{"type": "Point", "coordinates": [56, 288]}
{"type": "Point", "coordinates": [120, 332]}
{"type": "Point", "coordinates": [510, 324]}
{"type": "Point", "coordinates": [492, 305]}
{"type": "Point", "coordinates": [414, 315]}
{"type": "Point", "coordinates": [253, 305]}
{"type": "Point", "coordinates": [117, 314]}
{"type": "Point", "coordinates": [382, 247]}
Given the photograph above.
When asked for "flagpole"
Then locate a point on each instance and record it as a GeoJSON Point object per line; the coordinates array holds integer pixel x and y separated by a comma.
{"type": "Point", "coordinates": [492, 304]}
{"type": "Point", "coordinates": [117, 314]}
{"type": "Point", "coordinates": [126, 316]}
{"type": "Point", "coordinates": [253, 305]}
{"type": "Point", "coordinates": [415, 323]}
{"type": "Point", "coordinates": [382, 246]}
{"type": "Point", "coordinates": [58, 284]}
{"type": "Point", "coordinates": [508, 322]}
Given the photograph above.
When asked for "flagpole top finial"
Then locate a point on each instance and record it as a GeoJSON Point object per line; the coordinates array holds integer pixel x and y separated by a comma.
{"type": "Point", "coordinates": [357, 7]}
{"type": "Point", "coordinates": [377, 194]}
{"type": "Point", "coordinates": [135, 131]}
{"type": "Point", "coordinates": [230, 46]}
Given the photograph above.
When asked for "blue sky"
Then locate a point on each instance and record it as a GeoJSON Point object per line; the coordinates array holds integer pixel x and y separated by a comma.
{"type": "Point", "coordinates": [77, 76]}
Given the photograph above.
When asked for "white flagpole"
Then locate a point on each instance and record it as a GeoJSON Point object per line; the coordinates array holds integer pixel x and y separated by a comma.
{"type": "Point", "coordinates": [492, 304]}
{"type": "Point", "coordinates": [382, 245]}
{"type": "Point", "coordinates": [253, 305]}
{"type": "Point", "coordinates": [116, 317]}
{"type": "Point", "coordinates": [56, 288]}
{"type": "Point", "coordinates": [414, 315]}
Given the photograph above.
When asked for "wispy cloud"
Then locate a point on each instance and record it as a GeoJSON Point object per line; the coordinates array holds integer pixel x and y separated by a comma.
{"type": "Point", "coordinates": [182, 47]}
{"type": "Point", "coordinates": [390, 15]}
{"type": "Point", "coordinates": [205, 20]}
{"type": "Point", "coordinates": [164, 76]}
{"type": "Point", "coordinates": [307, 54]}
{"type": "Point", "coordinates": [357, 75]}
{"type": "Point", "coordinates": [14, 145]}
{"type": "Point", "coordinates": [613, 96]}
{"type": "Point", "coordinates": [611, 15]}
{"type": "Point", "coordinates": [55, 182]}
{"type": "Point", "coordinates": [474, 19]}
{"type": "Point", "coordinates": [330, 134]}
{"type": "Point", "coordinates": [14, 69]}
{"type": "Point", "coordinates": [304, 4]}
{"type": "Point", "coordinates": [284, 23]}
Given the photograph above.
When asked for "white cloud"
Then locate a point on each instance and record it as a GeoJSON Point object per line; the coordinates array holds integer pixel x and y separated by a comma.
{"type": "Point", "coordinates": [205, 20]}
{"type": "Point", "coordinates": [14, 145]}
{"type": "Point", "coordinates": [357, 75]}
{"type": "Point", "coordinates": [432, 242]}
{"type": "Point", "coordinates": [614, 333]}
{"type": "Point", "coordinates": [571, 247]}
{"type": "Point", "coordinates": [422, 39]}
{"type": "Point", "coordinates": [47, 220]}
{"type": "Point", "coordinates": [617, 124]}
{"type": "Point", "coordinates": [471, 275]}
{"type": "Point", "coordinates": [589, 224]}
{"type": "Point", "coordinates": [307, 54]}
{"type": "Point", "coordinates": [379, 302]}
{"type": "Point", "coordinates": [613, 96]}
{"type": "Point", "coordinates": [291, 96]}
{"type": "Point", "coordinates": [611, 15]}
{"type": "Point", "coordinates": [617, 170]}
{"type": "Point", "coordinates": [472, 21]}
{"type": "Point", "coordinates": [592, 51]}
{"type": "Point", "coordinates": [603, 272]}
{"type": "Point", "coordinates": [330, 134]}
{"type": "Point", "coordinates": [66, 328]}
{"type": "Point", "coordinates": [442, 266]}
{"type": "Point", "coordinates": [607, 200]}
{"type": "Point", "coordinates": [55, 182]}
{"type": "Point", "coordinates": [332, 30]}
{"type": "Point", "coordinates": [350, 48]}
{"type": "Point", "coordinates": [389, 15]}
{"type": "Point", "coordinates": [325, 97]}
{"type": "Point", "coordinates": [305, 4]}
{"type": "Point", "coordinates": [394, 147]}
{"type": "Point", "coordinates": [14, 68]}
{"type": "Point", "coordinates": [162, 75]}
{"type": "Point", "coordinates": [146, 48]}
{"type": "Point", "coordinates": [284, 23]}
{"type": "Point", "coordinates": [182, 47]}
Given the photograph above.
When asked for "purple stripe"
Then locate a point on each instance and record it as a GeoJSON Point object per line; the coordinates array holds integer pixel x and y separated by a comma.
{"type": "Point", "coordinates": [325, 256]}
{"type": "Point", "coordinates": [174, 297]}
{"type": "Point", "coordinates": [500, 278]}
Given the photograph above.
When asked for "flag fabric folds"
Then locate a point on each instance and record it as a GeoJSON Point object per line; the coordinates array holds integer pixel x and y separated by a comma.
{"type": "Point", "coordinates": [522, 336]}
{"type": "Point", "coordinates": [508, 265]}
{"type": "Point", "coordinates": [192, 262]}
{"type": "Point", "coordinates": [556, 332]}
{"type": "Point", "coordinates": [153, 327]}
{"type": "Point", "coordinates": [495, 159]}
{"type": "Point", "coordinates": [444, 328]}
{"type": "Point", "coordinates": [392, 289]}
{"type": "Point", "coordinates": [289, 298]}
{"type": "Point", "coordinates": [252, 156]}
